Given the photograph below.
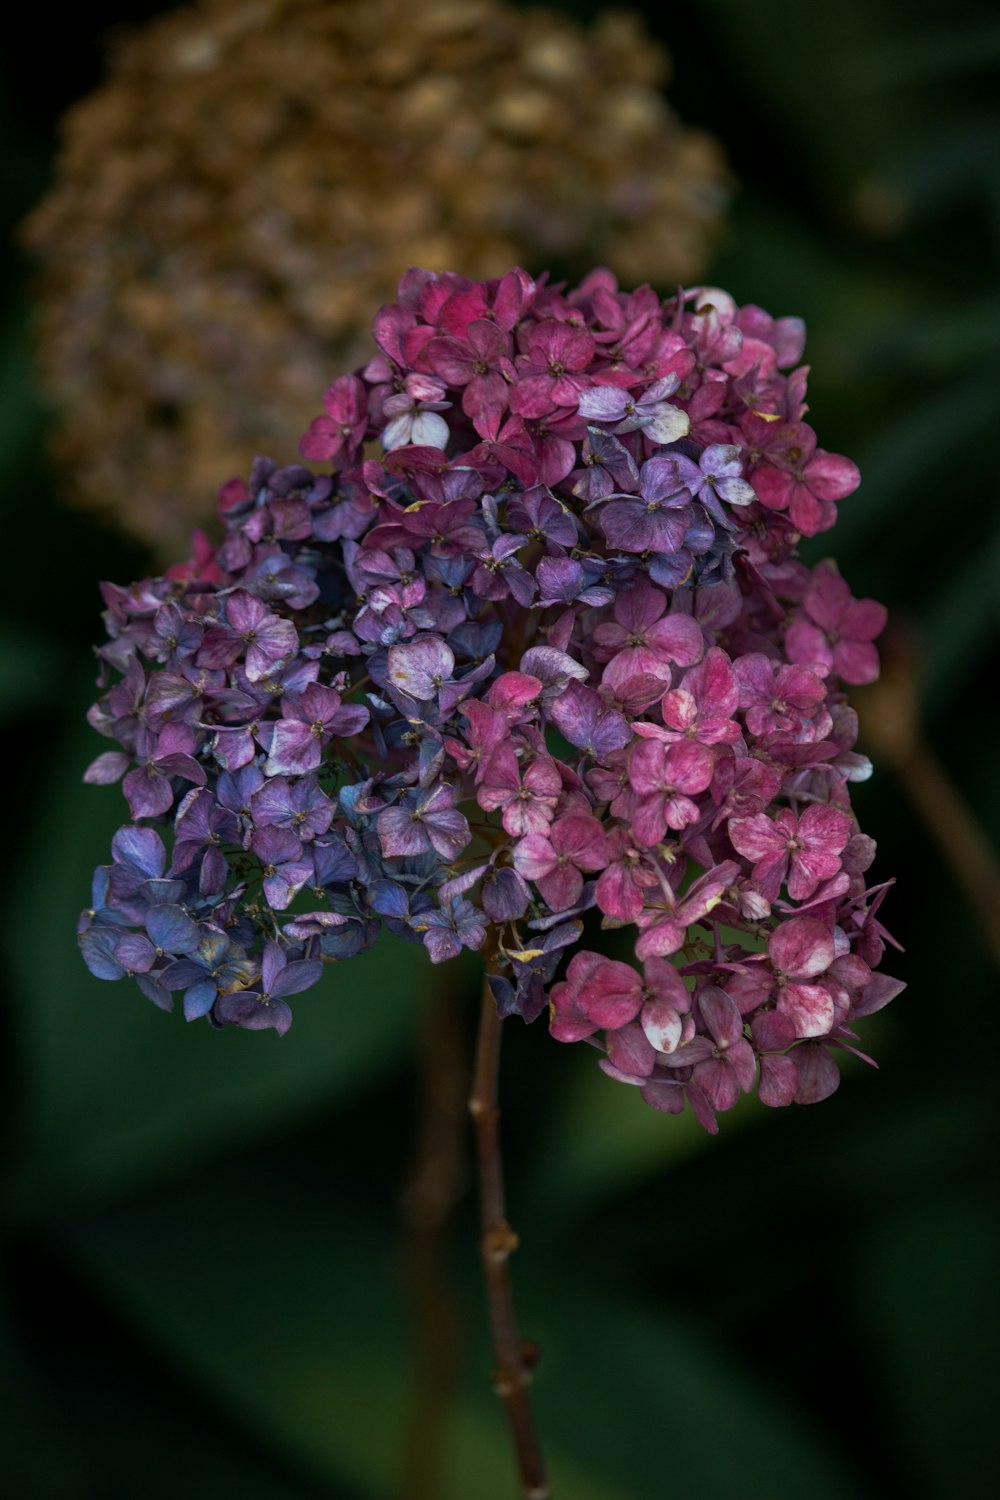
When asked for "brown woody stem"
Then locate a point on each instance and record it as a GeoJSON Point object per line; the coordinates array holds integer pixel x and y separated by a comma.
{"type": "Point", "coordinates": [959, 837]}
{"type": "Point", "coordinates": [512, 1374]}
{"type": "Point", "coordinates": [892, 723]}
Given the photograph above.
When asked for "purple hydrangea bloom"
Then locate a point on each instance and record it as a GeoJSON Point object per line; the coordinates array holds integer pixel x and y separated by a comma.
{"type": "Point", "coordinates": [266, 1007]}
{"type": "Point", "coordinates": [552, 650]}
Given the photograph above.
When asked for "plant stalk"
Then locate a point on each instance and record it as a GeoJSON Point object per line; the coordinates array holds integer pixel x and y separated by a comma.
{"type": "Point", "coordinates": [514, 1361]}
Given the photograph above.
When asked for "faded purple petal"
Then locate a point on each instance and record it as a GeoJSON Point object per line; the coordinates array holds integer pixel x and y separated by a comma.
{"type": "Point", "coordinates": [419, 667]}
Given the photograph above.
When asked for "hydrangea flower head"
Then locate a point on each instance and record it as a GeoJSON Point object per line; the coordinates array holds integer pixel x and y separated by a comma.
{"type": "Point", "coordinates": [254, 175]}
{"type": "Point", "coordinates": [512, 668]}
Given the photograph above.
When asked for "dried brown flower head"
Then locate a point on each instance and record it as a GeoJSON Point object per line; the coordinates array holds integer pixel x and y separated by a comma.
{"type": "Point", "coordinates": [255, 175]}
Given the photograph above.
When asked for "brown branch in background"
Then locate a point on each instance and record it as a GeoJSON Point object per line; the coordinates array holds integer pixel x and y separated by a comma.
{"type": "Point", "coordinates": [891, 724]}
{"type": "Point", "coordinates": [514, 1360]}
{"type": "Point", "coordinates": [427, 1207]}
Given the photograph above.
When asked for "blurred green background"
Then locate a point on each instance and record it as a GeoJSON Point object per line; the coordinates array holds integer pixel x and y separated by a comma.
{"type": "Point", "coordinates": [203, 1277]}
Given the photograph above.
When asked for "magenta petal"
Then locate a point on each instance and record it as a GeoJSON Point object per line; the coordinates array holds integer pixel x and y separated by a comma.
{"type": "Point", "coordinates": [857, 662]}
{"type": "Point", "coordinates": [755, 677]}
{"type": "Point", "coordinates": [613, 995]}
{"type": "Point", "coordinates": [661, 940]}
{"type": "Point", "coordinates": [562, 887]}
{"type": "Point", "coordinates": [558, 343]}
{"type": "Point", "coordinates": [630, 1051]}
{"type": "Point", "coordinates": [831, 477]}
{"type": "Point", "coordinates": [321, 440]}
{"type": "Point", "coordinates": [809, 1007]}
{"type": "Point", "coordinates": [665, 983]}
{"type": "Point", "coordinates": [779, 1078]}
{"type": "Point", "coordinates": [568, 1021]}
{"type": "Point", "coordinates": [879, 990]}
{"type": "Point", "coordinates": [679, 709]}
{"type": "Point", "coordinates": [768, 875]}
{"type": "Point", "coordinates": [490, 343]}
{"type": "Point", "coordinates": [618, 895]}
{"type": "Point", "coordinates": [772, 487]}
{"type": "Point", "coordinates": [665, 1096]}
{"type": "Point", "coordinates": [808, 646]}
{"type": "Point", "coordinates": [647, 767]}
{"type": "Point", "coordinates": [453, 359]}
{"type": "Point", "coordinates": [689, 766]}
{"type": "Point", "coordinates": [567, 1024]}
{"type": "Point", "coordinates": [743, 1061]}
{"type": "Point", "coordinates": [720, 1016]}
{"type": "Point", "coordinates": [719, 1083]}
{"type": "Point", "coordinates": [679, 638]}
{"type": "Point", "coordinates": [755, 837]}
{"type": "Point", "coordinates": [772, 1032]}
{"type": "Point", "coordinates": [823, 827]}
{"type": "Point", "coordinates": [863, 619]}
{"type": "Point", "coordinates": [580, 837]}
{"type": "Point", "coordinates": [534, 856]}
{"type": "Point", "coordinates": [511, 692]}
{"type": "Point", "coordinates": [827, 596]}
{"type": "Point", "coordinates": [802, 948]}
{"type": "Point", "coordinates": [532, 397]}
{"type": "Point", "coordinates": [806, 513]}
{"type": "Point", "coordinates": [818, 1077]}
{"type": "Point", "coordinates": [638, 609]}
{"type": "Point", "coordinates": [808, 868]}
{"type": "Point", "coordinates": [713, 683]}
{"type": "Point", "coordinates": [649, 824]}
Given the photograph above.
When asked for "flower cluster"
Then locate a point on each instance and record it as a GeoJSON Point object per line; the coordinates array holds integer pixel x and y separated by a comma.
{"type": "Point", "coordinates": [255, 175]}
{"type": "Point", "coordinates": [534, 656]}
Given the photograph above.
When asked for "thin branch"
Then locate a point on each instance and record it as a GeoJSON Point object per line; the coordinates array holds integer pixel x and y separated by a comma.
{"type": "Point", "coordinates": [514, 1361]}
{"type": "Point", "coordinates": [891, 722]}
{"type": "Point", "coordinates": [959, 836]}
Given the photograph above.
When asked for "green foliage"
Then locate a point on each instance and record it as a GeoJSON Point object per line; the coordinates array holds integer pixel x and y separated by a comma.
{"type": "Point", "coordinates": [926, 1273]}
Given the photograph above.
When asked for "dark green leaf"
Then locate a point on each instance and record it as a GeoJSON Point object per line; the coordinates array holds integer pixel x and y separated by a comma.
{"type": "Point", "coordinates": [286, 1310]}
{"type": "Point", "coordinates": [927, 1274]}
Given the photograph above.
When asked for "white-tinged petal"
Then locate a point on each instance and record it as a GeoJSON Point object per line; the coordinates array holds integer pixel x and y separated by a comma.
{"type": "Point", "coordinates": [669, 424]}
